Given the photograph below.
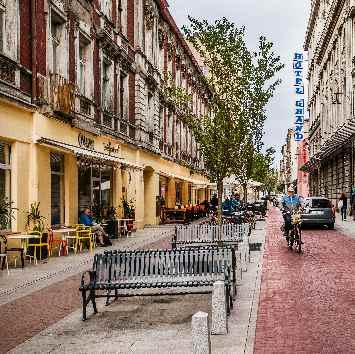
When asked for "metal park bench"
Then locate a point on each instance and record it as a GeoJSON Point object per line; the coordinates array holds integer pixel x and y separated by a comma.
{"type": "Point", "coordinates": [162, 272]}
{"type": "Point", "coordinates": [204, 234]}
{"type": "Point", "coordinates": [236, 235]}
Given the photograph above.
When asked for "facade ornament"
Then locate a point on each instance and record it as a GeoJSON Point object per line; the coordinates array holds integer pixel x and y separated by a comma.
{"type": "Point", "coordinates": [161, 36]}
{"type": "Point", "coordinates": [149, 14]}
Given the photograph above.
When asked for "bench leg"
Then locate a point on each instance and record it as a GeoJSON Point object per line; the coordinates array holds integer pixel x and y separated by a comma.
{"type": "Point", "coordinates": [93, 300]}
{"type": "Point", "coordinates": [83, 293]}
{"type": "Point", "coordinates": [108, 298]}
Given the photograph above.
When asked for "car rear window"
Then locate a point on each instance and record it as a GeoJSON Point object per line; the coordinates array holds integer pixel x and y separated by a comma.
{"type": "Point", "coordinates": [321, 203]}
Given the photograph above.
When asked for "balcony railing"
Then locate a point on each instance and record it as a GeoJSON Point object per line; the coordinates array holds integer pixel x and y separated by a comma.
{"type": "Point", "coordinates": [7, 70]}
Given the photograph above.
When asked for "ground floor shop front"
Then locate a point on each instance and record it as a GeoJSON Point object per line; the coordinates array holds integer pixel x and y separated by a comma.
{"type": "Point", "coordinates": [333, 174]}
{"type": "Point", "coordinates": [65, 169]}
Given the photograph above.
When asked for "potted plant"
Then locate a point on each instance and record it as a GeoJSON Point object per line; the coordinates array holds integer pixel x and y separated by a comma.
{"type": "Point", "coordinates": [35, 221]}
{"type": "Point", "coordinates": [6, 213]}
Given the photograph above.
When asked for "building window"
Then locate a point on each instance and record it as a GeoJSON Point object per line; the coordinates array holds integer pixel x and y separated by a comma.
{"type": "Point", "coordinates": [123, 99]}
{"type": "Point", "coordinates": [119, 15]}
{"type": "Point", "coordinates": [83, 64]}
{"type": "Point", "coordinates": [150, 112]}
{"type": "Point", "coordinates": [5, 171]}
{"type": "Point", "coordinates": [57, 25]}
{"type": "Point", "coordinates": [106, 8]}
{"type": "Point", "coordinates": [57, 188]}
{"type": "Point", "coordinates": [107, 84]}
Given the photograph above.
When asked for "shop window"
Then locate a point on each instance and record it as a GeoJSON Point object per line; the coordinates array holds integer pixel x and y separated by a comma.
{"type": "Point", "coordinates": [57, 188]}
{"type": "Point", "coordinates": [95, 188]}
{"type": "Point", "coordinates": [5, 171]}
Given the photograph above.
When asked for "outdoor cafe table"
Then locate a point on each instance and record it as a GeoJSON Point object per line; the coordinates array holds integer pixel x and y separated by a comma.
{"type": "Point", "coordinates": [65, 235]}
{"type": "Point", "coordinates": [23, 238]}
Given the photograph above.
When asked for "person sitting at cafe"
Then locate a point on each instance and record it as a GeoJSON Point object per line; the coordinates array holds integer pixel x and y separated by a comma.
{"type": "Point", "coordinates": [101, 236]}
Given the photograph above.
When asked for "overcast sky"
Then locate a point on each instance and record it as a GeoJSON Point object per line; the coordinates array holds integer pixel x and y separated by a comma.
{"type": "Point", "coordinates": [281, 21]}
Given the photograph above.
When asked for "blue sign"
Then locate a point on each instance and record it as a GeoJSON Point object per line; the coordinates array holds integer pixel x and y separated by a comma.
{"type": "Point", "coordinates": [299, 91]}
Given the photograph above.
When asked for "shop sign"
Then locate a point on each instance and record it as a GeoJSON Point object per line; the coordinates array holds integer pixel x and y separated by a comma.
{"type": "Point", "coordinates": [299, 91]}
{"type": "Point", "coordinates": [111, 149]}
{"type": "Point", "coordinates": [86, 142]}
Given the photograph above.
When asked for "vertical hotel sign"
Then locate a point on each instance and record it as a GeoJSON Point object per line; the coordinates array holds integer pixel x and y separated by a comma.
{"type": "Point", "coordinates": [299, 90]}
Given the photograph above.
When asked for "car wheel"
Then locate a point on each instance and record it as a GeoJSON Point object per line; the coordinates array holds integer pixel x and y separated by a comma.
{"type": "Point", "coordinates": [331, 226]}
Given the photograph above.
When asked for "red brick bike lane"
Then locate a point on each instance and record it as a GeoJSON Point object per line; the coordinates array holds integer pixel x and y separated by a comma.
{"type": "Point", "coordinates": [307, 301]}
{"type": "Point", "coordinates": [25, 317]}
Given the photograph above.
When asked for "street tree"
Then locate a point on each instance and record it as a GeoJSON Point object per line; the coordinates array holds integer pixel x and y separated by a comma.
{"type": "Point", "coordinates": [240, 83]}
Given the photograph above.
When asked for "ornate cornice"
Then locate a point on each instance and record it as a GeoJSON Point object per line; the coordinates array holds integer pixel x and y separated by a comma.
{"type": "Point", "coordinates": [311, 23]}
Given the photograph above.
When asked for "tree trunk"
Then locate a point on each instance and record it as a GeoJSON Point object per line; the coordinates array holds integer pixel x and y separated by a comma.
{"type": "Point", "coordinates": [220, 197]}
{"type": "Point", "coordinates": [245, 192]}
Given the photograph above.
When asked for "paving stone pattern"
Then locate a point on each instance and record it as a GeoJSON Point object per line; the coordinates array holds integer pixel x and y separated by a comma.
{"type": "Point", "coordinates": [26, 316]}
{"type": "Point", "coordinates": [157, 324]}
{"type": "Point", "coordinates": [307, 301]}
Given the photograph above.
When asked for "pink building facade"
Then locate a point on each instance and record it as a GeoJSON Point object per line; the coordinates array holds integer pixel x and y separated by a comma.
{"type": "Point", "coordinates": [302, 177]}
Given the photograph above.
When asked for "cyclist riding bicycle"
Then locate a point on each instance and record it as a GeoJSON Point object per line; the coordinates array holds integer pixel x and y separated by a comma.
{"type": "Point", "coordinates": [290, 202]}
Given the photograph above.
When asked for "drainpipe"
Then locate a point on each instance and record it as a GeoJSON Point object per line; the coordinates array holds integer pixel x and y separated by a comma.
{"type": "Point", "coordinates": [34, 49]}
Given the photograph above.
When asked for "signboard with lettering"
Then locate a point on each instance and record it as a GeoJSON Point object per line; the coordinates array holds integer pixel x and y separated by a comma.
{"type": "Point", "coordinates": [299, 91]}
{"type": "Point", "coordinates": [86, 142]}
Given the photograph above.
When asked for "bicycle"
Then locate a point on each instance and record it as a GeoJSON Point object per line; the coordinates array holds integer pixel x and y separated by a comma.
{"type": "Point", "coordinates": [295, 234]}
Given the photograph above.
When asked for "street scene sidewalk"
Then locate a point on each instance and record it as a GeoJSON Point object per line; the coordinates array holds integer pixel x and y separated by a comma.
{"type": "Point", "coordinates": [135, 325]}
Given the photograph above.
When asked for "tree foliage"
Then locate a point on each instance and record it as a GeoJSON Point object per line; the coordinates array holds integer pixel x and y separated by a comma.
{"type": "Point", "coordinates": [240, 84]}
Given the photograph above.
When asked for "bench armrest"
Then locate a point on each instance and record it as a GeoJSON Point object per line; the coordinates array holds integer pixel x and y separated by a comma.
{"type": "Point", "coordinates": [92, 275]}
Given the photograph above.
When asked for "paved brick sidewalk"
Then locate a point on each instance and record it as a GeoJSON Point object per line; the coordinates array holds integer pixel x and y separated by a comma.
{"type": "Point", "coordinates": [26, 316]}
{"type": "Point", "coordinates": [307, 302]}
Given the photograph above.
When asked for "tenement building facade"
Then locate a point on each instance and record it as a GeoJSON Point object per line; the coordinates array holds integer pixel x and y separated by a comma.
{"type": "Point", "coordinates": [83, 121]}
{"type": "Point", "coordinates": [330, 43]}
{"type": "Point", "coordinates": [288, 162]}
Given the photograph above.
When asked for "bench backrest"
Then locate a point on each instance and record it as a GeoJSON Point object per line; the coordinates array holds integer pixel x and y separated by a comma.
{"type": "Point", "coordinates": [116, 265]}
{"type": "Point", "coordinates": [210, 233]}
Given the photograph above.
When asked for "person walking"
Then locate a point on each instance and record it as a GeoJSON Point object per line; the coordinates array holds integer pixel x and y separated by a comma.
{"type": "Point", "coordinates": [343, 206]}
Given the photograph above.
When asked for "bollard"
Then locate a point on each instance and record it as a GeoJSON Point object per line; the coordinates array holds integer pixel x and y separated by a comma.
{"type": "Point", "coordinates": [201, 343]}
{"type": "Point", "coordinates": [219, 309]}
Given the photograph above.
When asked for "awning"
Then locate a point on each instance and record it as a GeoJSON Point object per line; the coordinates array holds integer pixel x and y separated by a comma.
{"type": "Point", "coordinates": [182, 178]}
{"type": "Point", "coordinates": [336, 140]}
{"type": "Point", "coordinates": [87, 154]}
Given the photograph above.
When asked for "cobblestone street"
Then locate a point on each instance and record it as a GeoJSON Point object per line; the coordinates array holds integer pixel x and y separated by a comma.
{"type": "Point", "coordinates": [306, 301]}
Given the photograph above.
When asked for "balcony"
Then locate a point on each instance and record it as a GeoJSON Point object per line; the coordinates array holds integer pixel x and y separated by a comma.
{"type": "Point", "coordinates": [62, 95]}
{"type": "Point", "coordinates": [7, 70]}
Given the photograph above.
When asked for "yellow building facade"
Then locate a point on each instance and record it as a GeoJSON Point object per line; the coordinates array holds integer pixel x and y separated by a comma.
{"type": "Point", "coordinates": [83, 118]}
{"type": "Point", "coordinates": [33, 140]}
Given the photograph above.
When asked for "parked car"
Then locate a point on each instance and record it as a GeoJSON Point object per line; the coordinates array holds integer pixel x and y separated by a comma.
{"type": "Point", "coordinates": [318, 211]}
